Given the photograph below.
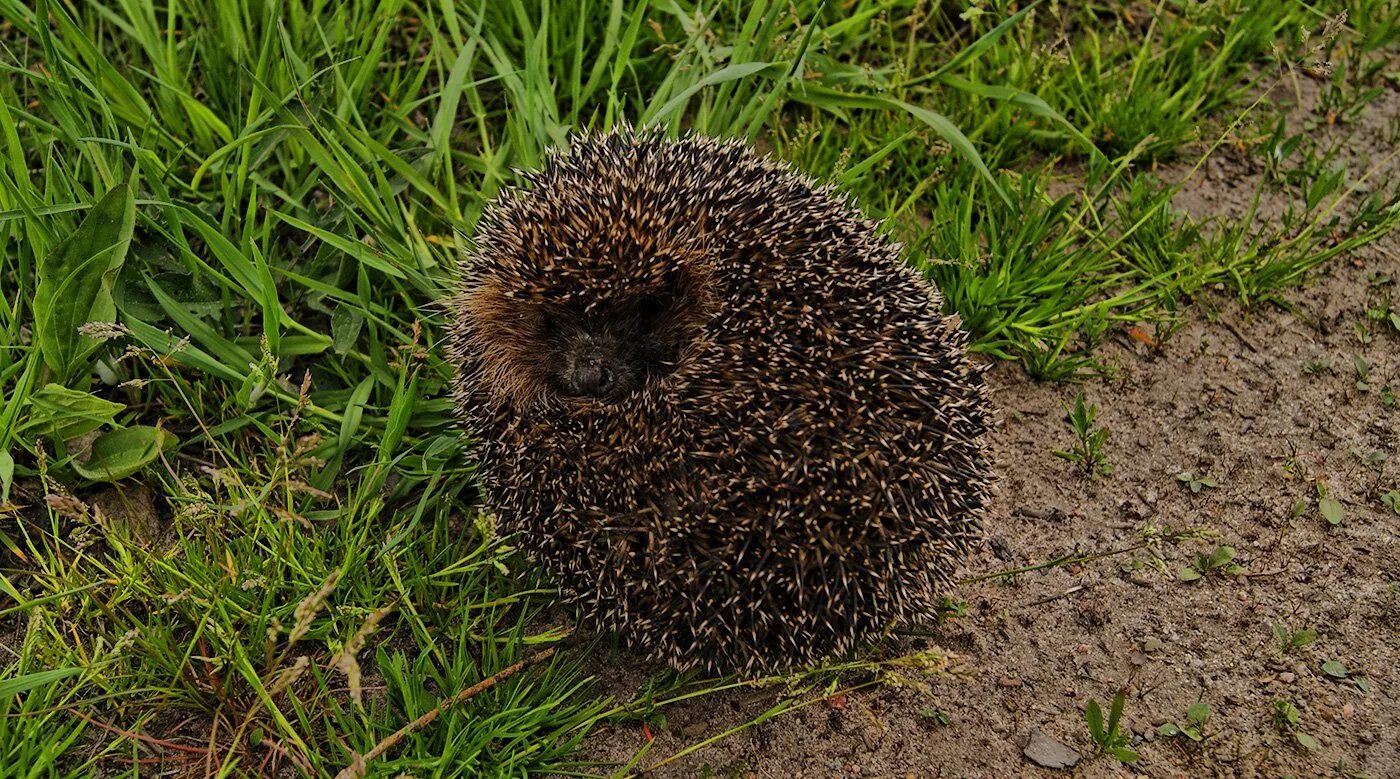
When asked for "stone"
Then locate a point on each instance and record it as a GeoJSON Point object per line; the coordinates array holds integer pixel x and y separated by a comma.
{"type": "Point", "coordinates": [1046, 752]}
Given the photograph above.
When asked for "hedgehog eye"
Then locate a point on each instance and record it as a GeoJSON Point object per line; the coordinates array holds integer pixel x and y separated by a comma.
{"type": "Point", "coordinates": [549, 323]}
{"type": "Point", "coordinates": [649, 309]}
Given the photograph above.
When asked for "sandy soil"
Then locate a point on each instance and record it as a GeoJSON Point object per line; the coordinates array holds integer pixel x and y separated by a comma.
{"type": "Point", "coordinates": [1237, 396]}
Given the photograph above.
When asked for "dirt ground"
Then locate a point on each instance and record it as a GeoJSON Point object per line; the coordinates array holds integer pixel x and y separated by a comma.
{"type": "Point", "coordinates": [1264, 403]}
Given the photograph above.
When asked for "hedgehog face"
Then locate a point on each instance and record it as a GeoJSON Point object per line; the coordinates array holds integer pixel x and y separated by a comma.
{"type": "Point", "coordinates": [541, 333]}
{"type": "Point", "coordinates": [605, 352]}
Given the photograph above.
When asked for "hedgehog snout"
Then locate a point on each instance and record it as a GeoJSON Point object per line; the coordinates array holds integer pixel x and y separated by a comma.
{"type": "Point", "coordinates": [598, 365]}
{"type": "Point", "coordinates": [592, 376]}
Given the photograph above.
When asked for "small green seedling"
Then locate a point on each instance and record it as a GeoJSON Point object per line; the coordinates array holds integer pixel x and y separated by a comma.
{"type": "Point", "coordinates": [1386, 315]}
{"type": "Point", "coordinates": [949, 609]}
{"type": "Point", "coordinates": [1195, 726]}
{"type": "Point", "coordinates": [1330, 508]}
{"type": "Point", "coordinates": [1297, 509]}
{"type": "Point", "coordinates": [1087, 452]}
{"type": "Point", "coordinates": [1107, 735]}
{"type": "Point", "coordinates": [1193, 483]}
{"type": "Point", "coordinates": [935, 717]}
{"type": "Point", "coordinates": [1289, 640]}
{"type": "Point", "coordinates": [1337, 671]}
{"type": "Point", "coordinates": [1314, 367]}
{"type": "Point", "coordinates": [1219, 561]}
{"type": "Point", "coordinates": [1287, 719]}
{"type": "Point", "coordinates": [1363, 373]}
{"type": "Point", "coordinates": [1375, 458]}
{"type": "Point", "coordinates": [1392, 499]}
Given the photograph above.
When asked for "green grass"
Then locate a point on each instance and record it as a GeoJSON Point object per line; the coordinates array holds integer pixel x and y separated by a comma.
{"type": "Point", "coordinates": [269, 198]}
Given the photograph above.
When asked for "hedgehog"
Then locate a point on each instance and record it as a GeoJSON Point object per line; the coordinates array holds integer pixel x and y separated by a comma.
{"type": "Point", "coordinates": [707, 397]}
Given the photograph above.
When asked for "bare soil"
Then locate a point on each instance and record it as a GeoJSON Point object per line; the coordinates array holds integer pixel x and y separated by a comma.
{"type": "Point", "coordinates": [1238, 396]}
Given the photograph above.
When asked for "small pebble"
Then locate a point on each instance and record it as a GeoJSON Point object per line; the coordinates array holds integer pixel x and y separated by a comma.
{"type": "Point", "coordinates": [1047, 752]}
{"type": "Point", "coordinates": [1002, 549]}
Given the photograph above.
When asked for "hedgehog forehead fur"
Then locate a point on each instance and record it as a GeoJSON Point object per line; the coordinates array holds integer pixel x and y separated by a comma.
{"type": "Point", "coordinates": [807, 467]}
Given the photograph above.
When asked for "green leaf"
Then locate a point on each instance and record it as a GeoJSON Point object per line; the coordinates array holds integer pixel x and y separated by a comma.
{"type": "Point", "coordinates": [1035, 105]}
{"type": "Point", "coordinates": [120, 453]}
{"type": "Point", "coordinates": [27, 682]}
{"type": "Point", "coordinates": [1331, 510]}
{"type": "Point", "coordinates": [75, 282]}
{"type": "Point", "coordinates": [1335, 669]}
{"type": "Point", "coordinates": [346, 323]}
{"type": "Point", "coordinates": [1188, 574]}
{"type": "Point", "coordinates": [1305, 741]}
{"type": "Point", "coordinates": [732, 72]}
{"type": "Point", "coordinates": [1093, 715]}
{"type": "Point", "coordinates": [826, 97]}
{"type": "Point", "coordinates": [1198, 713]}
{"type": "Point", "coordinates": [984, 43]}
{"type": "Point", "coordinates": [7, 473]}
{"type": "Point", "coordinates": [1221, 556]}
{"type": "Point", "coordinates": [1168, 729]}
{"type": "Point", "coordinates": [955, 138]}
{"type": "Point", "coordinates": [62, 414]}
{"type": "Point", "coordinates": [1115, 713]}
{"type": "Point", "coordinates": [1124, 754]}
{"type": "Point", "coordinates": [1392, 499]}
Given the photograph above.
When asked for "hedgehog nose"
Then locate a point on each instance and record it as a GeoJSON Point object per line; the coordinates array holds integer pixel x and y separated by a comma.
{"type": "Point", "coordinates": [592, 377]}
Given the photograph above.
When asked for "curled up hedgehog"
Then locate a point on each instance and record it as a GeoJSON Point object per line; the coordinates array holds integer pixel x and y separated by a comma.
{"type": "Point", "coordinates": [709, 399]}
